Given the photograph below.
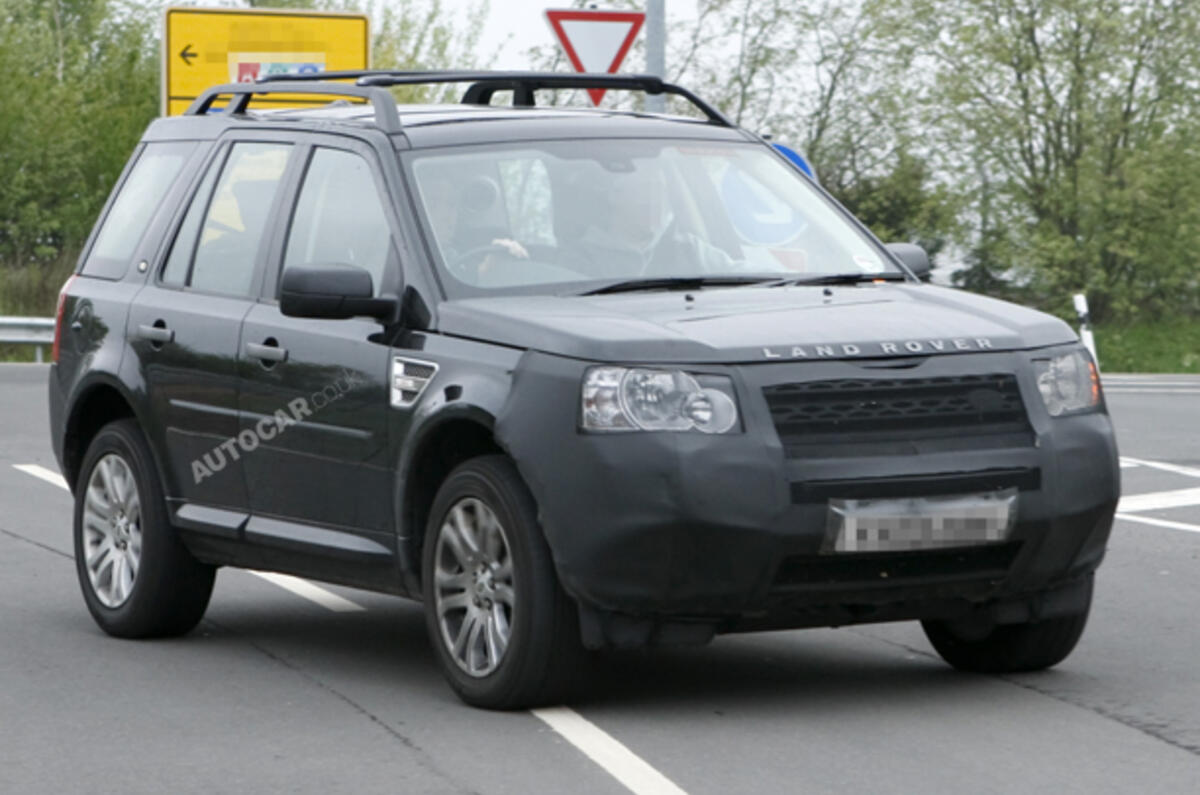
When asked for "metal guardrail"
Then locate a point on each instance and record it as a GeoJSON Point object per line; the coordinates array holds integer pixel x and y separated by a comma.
{"type": "Point", "coordinates": [37, 331]}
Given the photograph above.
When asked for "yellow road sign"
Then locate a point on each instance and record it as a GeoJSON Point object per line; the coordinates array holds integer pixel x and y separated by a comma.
{"type": "Point", "coordinates": [203, 47]}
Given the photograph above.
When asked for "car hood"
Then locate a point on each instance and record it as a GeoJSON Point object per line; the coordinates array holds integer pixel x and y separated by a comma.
{"type": "Point", "coordinates": [755, 324]}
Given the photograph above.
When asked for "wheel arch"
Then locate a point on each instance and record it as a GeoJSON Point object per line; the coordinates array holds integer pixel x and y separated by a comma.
{"type": "Point", "coordinates": [97, 403]}
{"type": "Point", "coordinates": [441, 445]}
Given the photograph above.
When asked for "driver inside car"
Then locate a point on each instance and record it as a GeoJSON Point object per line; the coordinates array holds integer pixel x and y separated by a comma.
{"type": "Point", "coordinates": [452, 206]}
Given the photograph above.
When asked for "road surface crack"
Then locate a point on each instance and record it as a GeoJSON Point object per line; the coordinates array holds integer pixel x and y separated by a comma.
{"type": "Point", "coordinates": [1148, 729]}
{"type": "Point", "coordinates": [37, 544]}
{"type": "Point", "coordinates": [422, 756]}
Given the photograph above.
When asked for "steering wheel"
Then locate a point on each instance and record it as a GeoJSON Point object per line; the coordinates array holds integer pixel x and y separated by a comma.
{"type": "Point", "coordinates": [461, 265]}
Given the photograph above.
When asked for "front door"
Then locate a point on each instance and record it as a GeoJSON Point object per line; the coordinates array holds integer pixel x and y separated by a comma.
{"type": "Point", "coordinates": [315, 393]}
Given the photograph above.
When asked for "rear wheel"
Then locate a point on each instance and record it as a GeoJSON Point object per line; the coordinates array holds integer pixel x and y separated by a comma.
{"type": "Point", "coordinates": [505, 633]}
{"type": "Point", "coordinates": [137, 578]}
{"type": "Point", "coordinates": [1009, 648]}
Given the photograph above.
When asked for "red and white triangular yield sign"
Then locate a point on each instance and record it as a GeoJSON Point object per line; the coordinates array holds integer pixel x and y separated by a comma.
{"type": "Point", "coordinates": [595, 41]}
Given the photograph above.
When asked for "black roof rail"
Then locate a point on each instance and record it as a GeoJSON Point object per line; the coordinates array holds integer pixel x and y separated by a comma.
{"type": "Point", "coordinates": [486, 83]}
{"type": "Point", "coordinates": [387, 118]}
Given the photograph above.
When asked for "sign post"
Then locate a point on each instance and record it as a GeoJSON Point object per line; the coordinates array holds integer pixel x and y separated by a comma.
{"type": "Point", "coordinates": [203, 47]}
{"type": "Point", "coordinates": [595, 41]}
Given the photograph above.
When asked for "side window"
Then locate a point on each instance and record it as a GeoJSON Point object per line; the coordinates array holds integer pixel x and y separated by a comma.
{"type": "Point", "coordinates": [180, 260]}
{"type": "Point", "coordinates": [339, 218]}
{"type": "Point", "coordinates": [141, 194]}
{"type": "Point", "coordinates": [236, 218]}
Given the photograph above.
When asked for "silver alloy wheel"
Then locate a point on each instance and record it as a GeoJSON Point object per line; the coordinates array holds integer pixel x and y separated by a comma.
{"type": "Point", "coordinates": [473, 586]}
{"type": "Point", "coordinates": [112, 530]}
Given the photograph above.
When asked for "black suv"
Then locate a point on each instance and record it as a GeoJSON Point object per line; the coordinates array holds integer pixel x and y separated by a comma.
{"type": "Point", "coordinates": [576, 379]}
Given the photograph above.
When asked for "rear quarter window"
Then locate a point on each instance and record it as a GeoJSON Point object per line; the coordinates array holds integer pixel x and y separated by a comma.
{"type": "Point", "coordinates": [137, 199]}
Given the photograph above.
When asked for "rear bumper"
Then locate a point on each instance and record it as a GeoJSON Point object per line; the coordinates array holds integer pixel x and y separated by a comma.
{"type": "Point", "coordinates": [658, 530]}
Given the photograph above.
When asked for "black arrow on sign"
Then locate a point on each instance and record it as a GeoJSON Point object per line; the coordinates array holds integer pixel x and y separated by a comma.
{"type": "Point", "coordinates": [187, 55]}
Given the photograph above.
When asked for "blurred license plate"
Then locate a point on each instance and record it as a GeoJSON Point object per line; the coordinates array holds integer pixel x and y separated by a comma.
{"type": "Point", "coordinates": [895, 525]}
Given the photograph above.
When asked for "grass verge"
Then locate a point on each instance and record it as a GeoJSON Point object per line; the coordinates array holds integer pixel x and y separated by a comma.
{"type": "Point", "coordinates": [1168, 346]}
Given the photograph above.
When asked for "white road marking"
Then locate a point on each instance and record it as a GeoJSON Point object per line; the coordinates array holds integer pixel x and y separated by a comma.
{"type": "Point", "coordinates": [609, 753]}
{"type": "Point", "coordinates": [1148, 390]}
{"type": "Point", "coordinates": [303, 588]}
{"type": "Point", "coordinates": [309, 591]}
{"type": "Point", "coordinates": [1127, 464]}
{"type": "Point", "coordinates": [1190, 472]}
{"type": "Point", "coordinates": [48, 475]}
{"type": "Point", "coordinates": [1150, 520]}
{"type": "Point", "coordinates": [1159, 500]}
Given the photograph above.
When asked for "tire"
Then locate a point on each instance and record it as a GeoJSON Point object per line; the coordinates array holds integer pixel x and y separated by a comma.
{"type": "Point", "coordinates": [496, 576]}
{"type": "Point", "coordinates": [1010, 648]}
{"type": "Point", "coordinates": [119, 530]}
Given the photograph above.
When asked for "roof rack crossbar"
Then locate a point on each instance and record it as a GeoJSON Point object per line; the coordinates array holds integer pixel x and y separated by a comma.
{"type": "Point", "coordinates": [387, 118]}
{"type": "Point", "coordinates": [484, 84]}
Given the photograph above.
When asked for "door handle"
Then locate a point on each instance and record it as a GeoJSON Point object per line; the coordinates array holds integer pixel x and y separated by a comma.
{"type": "Point", "coordinates": [268, 351]}
{"type": "Point", "coordinates": [158, 333]}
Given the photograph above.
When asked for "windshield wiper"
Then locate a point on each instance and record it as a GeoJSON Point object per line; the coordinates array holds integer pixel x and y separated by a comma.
{"type": "Point", "coordinates": [675, 283]}
{"type": "Point", "coordinates": [840, 278]}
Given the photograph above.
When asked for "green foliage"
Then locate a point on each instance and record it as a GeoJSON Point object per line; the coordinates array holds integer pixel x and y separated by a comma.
{"type": "Point", "coordinates": [81, 82]}
{"type": "Point", "coordinates": [1159, 346]}
{"type": "Point", "coordinates": [1047, 146]}
{"type": "Point", "coordinates": [1083, 114]}
{"type": "Point", "coordinates": [903, 202]}
{"type": "Point", "coordinates": [79, 87]}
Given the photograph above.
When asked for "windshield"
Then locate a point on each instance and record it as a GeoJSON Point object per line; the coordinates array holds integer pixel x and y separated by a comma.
{"type": "Point", "coordinates": [563, 216]}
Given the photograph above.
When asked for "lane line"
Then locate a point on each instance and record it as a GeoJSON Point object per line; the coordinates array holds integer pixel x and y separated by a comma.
{"type": "Point", "coordinates": [307, 590]}
{"type": "Point", "coordinates": [302, 588]}
{"type": "Point", "coordinates": [1115, 390]}
{"type": "Point", "coordinates": [1191, 472]}
{"type": "Point", "coordinates": [606, 751]}
{"type": "Point", "coordinates": [1153, 384]}
{"type": "Point", "coordinates": [610, 754]}
{"type": "Point", "coordinates": [1191, 528]}
{"type": "Point", "coordinates": [1159, 500]}
{"type": "Point", "coordinates": [48, 475]}
{"type": "Point", "coordinates": [1127, 464]}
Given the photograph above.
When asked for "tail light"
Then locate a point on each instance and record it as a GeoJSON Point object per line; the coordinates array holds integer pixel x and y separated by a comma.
{"type": "Point", "coordinates": [58, 318]}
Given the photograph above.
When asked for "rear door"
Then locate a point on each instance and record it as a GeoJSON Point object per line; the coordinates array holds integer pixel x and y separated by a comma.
{"type": "Point", "coordinates": [184, 327]}
{"type": "Point", "coordinates": [315, 393]}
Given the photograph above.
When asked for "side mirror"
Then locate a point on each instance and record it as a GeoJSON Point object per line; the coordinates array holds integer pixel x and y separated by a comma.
{"type": "Point", "coordinates": [338, 291]}
{"type": "Point", "coordinates": [913, 257]}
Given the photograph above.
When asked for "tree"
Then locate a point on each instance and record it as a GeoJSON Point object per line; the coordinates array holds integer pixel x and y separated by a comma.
{"type": "Point", "coordinates": [1083, 113]}
{"type": "Point", "coordinates": [824, 78]}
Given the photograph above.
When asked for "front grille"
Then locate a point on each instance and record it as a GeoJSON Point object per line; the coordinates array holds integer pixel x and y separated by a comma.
{"type": "Point", "coordinates": [883, 410]}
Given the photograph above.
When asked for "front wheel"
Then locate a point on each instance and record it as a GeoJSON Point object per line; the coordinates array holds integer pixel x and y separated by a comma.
{"type": "Point", "coordinates": [505, 633]}
{"type": "Point", "coordinates": [1009, 648]}
{"type": "Point", "coordinates": [137, 578]}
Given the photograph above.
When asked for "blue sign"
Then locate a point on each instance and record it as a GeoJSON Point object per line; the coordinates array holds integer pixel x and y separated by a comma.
{"type": "Point", "coordinates": [797, 159]}
{"type": "Point", "coordinates": [756, 212]}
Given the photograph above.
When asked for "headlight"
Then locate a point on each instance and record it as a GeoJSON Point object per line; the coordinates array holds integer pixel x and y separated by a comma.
{"type": "Point", "coordinates": [638, 398]}
{"type": "Point", "coordinates": [1068, 383]}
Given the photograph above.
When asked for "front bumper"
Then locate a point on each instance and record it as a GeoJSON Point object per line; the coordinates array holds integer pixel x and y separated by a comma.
{"type": "Point", "coordinates": [726, 532]}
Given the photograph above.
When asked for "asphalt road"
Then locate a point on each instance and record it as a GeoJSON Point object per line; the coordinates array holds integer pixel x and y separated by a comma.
{"type": "Point", "coordinates": [335, 690]}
